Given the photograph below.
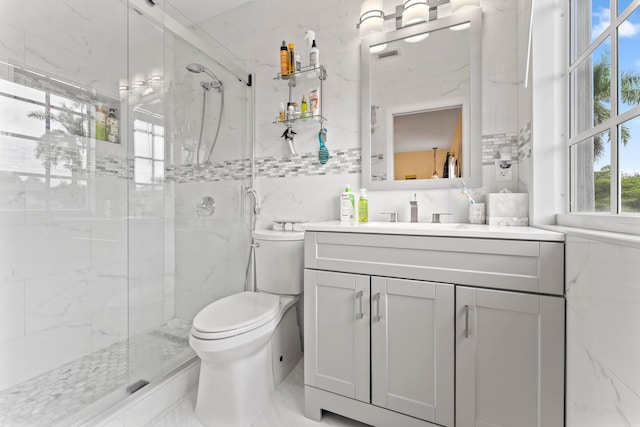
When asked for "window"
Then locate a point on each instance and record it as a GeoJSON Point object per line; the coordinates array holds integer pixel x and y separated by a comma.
{"type": "Point", "coordinates": [43, 141]}
{"type": "Point", "coordinates": [148, 147]}
{"type": "Point", "coordinates": [604, 131]}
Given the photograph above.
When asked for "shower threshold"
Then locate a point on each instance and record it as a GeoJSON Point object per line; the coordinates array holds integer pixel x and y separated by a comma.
{"type": "Point", "coordinates": [93, 383]}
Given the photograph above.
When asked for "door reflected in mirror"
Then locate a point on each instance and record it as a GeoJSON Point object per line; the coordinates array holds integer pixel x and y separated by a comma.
{"type": "Point", "coordinates": [427, 144]}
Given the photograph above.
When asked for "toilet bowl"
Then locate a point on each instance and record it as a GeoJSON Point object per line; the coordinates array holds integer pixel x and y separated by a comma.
{"type": "Point", "coordinates": [249, 342]}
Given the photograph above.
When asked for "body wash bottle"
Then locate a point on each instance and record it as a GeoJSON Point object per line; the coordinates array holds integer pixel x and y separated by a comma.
{"type": "Point", "coordinates": [363, 206]}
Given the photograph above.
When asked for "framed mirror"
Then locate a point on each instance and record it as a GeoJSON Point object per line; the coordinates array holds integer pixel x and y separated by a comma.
{"type": "Point", "coordinates": [421, 105]}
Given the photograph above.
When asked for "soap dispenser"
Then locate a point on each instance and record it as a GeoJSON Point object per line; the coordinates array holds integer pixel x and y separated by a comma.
{"type": "Point", "coordinates": [363, 206]}
{"type": "Point", "coordinates": [414, 209]}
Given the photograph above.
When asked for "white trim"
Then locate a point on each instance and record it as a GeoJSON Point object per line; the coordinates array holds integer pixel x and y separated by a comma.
{"type": "Point", "coordinates": [627, 224]}
{"type": "Point", "coordinates": [599, 221]}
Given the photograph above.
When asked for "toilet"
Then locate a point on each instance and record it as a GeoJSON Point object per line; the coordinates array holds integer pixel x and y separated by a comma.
{"type": "Point", "coordinates": [249, 342]}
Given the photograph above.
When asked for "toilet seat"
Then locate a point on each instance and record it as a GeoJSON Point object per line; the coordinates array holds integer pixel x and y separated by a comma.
{"type": "Point", "coordinates": [235, 315]}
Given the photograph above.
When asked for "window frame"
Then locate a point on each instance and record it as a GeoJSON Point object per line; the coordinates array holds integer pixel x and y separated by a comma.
{"type": "Point", "coordinates": [48, 175]}
{"type": "Point", "coordinates": [153, 121]}
{"type": "Point", "coordinates": [614, 219]}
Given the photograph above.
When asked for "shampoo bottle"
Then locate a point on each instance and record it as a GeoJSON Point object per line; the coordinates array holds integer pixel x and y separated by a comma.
{"type": "Point", "coordinates": [363, 206]}
{"type": "Point", "coordinates": [284, 59]}
{"type": "Point", "coordinates": [292, 59]}
{"type": "Point", "coordinates": [347, 205]}
{"type": "Point", "coordinates": [314, 56]}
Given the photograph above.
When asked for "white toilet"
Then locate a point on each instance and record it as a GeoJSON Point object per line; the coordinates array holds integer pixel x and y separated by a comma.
{"type": "Point", "coordinates": [249, 342]}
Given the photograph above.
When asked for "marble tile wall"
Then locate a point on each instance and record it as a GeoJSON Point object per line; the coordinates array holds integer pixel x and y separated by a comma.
{"type": "Point", "coordinates": [297, 187]}
{"type": "Point", "coordinates": [603, 314]}
{"type": "Point", "coordinates": [256, 30]}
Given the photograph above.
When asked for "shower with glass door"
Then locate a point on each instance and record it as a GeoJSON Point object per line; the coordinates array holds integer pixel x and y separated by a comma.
{"type": "Point", "coordinates": [97, 286]}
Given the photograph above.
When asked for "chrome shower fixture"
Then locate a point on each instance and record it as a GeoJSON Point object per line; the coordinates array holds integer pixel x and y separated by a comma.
{"type": "Point", "coordinates": [199, 68]}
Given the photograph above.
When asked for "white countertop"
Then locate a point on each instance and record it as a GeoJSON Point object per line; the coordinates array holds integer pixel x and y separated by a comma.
{"type": "Point", "coordinates": [443, 230]}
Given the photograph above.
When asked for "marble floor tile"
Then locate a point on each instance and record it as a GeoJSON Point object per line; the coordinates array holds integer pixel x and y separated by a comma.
{"type": "Point", "coordinates": [285, 409]}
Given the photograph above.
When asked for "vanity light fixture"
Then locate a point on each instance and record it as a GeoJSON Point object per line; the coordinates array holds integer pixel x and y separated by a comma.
{"type": "Point", "coordinates": [461, 6]}
{"type": "Point", "coordinates": [371, 17]}
{"type": "Point", "coordinates": [410, 12]}
{"type": "Point", "coordinates": [415, 11]}
{"type": "Point", "coordinates": [416, 39]}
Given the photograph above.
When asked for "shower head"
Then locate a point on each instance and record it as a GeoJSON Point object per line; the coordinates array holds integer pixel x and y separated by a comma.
{"type": "Point", "coordinates": [199, 68]}
{"type": "Point", "coordinates": [195, 68]}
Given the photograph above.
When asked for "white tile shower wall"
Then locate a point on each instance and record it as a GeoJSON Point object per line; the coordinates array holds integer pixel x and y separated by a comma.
{"type": "Point", "coordinates": [211, 252]}
{"type": "Point", "coordinates": [257, 28]}
{"type": "Point", "coordinates": [603, 314]}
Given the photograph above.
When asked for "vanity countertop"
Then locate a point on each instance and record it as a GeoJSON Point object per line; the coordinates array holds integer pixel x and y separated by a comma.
{"type": "Point", "coordinates": [442, 230]}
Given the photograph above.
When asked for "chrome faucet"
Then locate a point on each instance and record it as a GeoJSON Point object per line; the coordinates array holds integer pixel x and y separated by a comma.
{"type": "Point", "coordinates": [435, 217]}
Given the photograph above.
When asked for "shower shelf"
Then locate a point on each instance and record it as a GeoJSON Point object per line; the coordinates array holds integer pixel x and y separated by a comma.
{"type": "Point", "coordinates": [288, 122]}
{"type": "Point", "coordinates": [308, 71]}
{"type": "Point", "coordinates": [312, 73]}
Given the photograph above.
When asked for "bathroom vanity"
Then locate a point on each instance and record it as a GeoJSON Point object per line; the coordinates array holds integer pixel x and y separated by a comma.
{"type": "Point", "coordinates": [434, 324]}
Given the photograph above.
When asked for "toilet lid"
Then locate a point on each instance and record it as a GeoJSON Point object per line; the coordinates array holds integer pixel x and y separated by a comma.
{"type": "Point", "coordinates": [237, 312]}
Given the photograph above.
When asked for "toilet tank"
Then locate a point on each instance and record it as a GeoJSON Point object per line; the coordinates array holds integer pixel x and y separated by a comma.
{"type": "Point", "coordinates": [279, 259]}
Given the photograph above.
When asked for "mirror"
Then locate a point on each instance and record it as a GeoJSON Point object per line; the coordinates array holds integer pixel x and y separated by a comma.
{"type": "Point", "coordinates": [421, 110]}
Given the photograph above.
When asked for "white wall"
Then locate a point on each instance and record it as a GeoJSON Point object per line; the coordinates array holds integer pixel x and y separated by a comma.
{"type": "Point", "coordinates": [255, 30]}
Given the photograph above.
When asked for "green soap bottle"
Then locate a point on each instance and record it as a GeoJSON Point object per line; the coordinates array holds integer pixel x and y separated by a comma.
{"type": "Point", "coordinates": [363, 206]}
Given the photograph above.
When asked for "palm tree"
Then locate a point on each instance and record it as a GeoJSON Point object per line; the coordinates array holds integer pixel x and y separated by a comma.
{"type": "Point", "coordinates": [629, 94]}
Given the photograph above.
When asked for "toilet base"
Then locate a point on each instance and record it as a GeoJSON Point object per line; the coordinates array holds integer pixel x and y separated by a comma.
{"type": "Point", "coordinates": [233, 393]}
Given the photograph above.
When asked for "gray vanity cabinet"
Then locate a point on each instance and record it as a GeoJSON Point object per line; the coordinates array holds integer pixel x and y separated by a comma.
{"type": "Point", "coordinates": [509, 358]}
{"type": "Point", "coordinates": [337, 333]}
{"type": "Point", "coordinates": [412, 348]}
{"type": "Point", "coordinates": [409, 330]}
{"type": "Point", "coordinates": [408, 364]}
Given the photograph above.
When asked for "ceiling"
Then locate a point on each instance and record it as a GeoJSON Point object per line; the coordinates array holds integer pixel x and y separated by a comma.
{"type": "Point", "coordinates": [201, 10]}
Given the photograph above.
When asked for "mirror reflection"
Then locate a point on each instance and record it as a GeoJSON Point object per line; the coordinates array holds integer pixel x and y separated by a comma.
{"type": "Point", "coordinates": [422, 105]}
{"type": "Point", "coordinates": [427, 144]}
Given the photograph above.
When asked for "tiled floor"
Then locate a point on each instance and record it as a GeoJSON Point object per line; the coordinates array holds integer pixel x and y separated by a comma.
{"type": "Point", "coordinates": [285, 409]}
{"type": "Point", "coordinates": [57, 394]}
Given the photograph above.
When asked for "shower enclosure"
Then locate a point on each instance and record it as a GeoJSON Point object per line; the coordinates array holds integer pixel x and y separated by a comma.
{"type": "Point", "coordinates": [103, 260]}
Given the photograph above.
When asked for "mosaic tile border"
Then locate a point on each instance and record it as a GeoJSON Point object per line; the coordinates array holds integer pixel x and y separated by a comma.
{"type": "Point", "coordinates": [346, 161]}
{"type": "Point", "coordinates": [493, 144]}
{"type": "Point", "coordinates": [524, 142]}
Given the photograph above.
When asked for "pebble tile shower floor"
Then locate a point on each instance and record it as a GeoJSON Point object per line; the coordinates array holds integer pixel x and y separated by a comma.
{"type": "Point", "coordinates": [53, 396]}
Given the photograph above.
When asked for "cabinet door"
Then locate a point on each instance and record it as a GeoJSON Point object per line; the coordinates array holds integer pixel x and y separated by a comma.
{"type": "Point", "coordinates": [412, 348]}
{"type": "Point", "coordinates": [336, 317]}
{"type": "Point", "coordinates": [509, 359]}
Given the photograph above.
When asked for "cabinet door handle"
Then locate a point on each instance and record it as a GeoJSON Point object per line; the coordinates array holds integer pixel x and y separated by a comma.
{"type": "Point", "coordinates": [360, 314]}
{"type": "Point", "coordinates": [466, 321]}
{"type": "Point", "coordinates": [377, 298]}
